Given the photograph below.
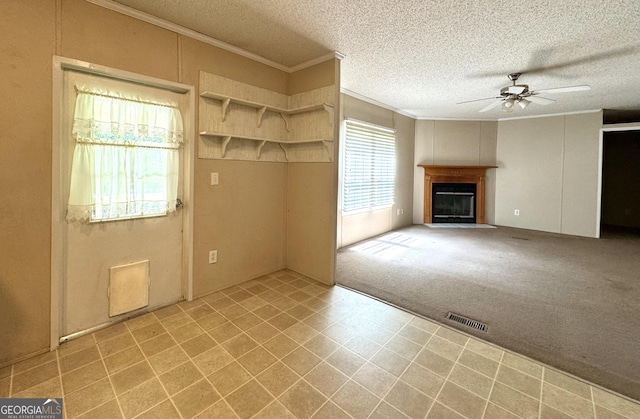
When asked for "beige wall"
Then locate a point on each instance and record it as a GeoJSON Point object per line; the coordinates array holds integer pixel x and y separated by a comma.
{"type": "Point", "coordinates": [312, 191]}
{"type": "Point", "coordinates": [245, 217]}
{"type": "Point", "coordinates": [548, 169]}
{"type": "Point", "coordinates": [471, 143]}
{"type": "Point", "coordinates": [359, 226]}
{"type": "Point", "coordinates": [25, 174]}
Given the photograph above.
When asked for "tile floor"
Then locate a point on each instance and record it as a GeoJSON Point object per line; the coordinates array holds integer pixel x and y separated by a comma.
{"type": "Point", "coordinates": [283, 346]}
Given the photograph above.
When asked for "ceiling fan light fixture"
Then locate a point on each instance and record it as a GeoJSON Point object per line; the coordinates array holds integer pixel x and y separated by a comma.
{"type": "Point", "coordinates": [507, 105]}
{"type": "Point", "coordinates": [523, 103]}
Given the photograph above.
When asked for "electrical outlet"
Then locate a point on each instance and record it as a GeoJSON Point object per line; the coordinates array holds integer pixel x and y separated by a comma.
{"type": "Point", "coordinates": [516, 212]}
{"type": "Point", "coordinates": [214, 178]}
{"type": "Point", "coordinates": [213, 256]}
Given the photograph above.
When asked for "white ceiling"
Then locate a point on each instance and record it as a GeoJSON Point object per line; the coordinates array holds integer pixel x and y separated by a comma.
{"type": "Point", "coordinates": [421, 57]}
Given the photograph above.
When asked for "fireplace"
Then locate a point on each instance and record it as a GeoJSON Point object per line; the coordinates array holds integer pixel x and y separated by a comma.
{"type": "Point", "coordinates": [458, 192]}
{"type": "Point", "coordinates": [453, 203]}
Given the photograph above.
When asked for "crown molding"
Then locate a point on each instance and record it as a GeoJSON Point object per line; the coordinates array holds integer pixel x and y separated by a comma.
{"type": "Point", "coordinates": [145, 17]}
{"type": "Point", "coordinates": [550, 115]}
{"type": "Point", "coordinates": [375, 102]}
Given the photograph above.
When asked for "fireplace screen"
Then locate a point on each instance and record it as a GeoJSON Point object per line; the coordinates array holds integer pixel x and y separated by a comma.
{"type": "Point", "coordinates": [454, 203]}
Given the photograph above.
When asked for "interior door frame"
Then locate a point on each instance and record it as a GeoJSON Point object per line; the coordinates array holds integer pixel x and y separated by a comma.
{"type": "Point", "coordinates": [633, 126]}
{"type": "Point", "coordinates": [60, 65]}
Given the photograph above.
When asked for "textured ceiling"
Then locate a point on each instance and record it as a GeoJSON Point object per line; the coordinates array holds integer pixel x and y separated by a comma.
{"type": "Point", "coordinates": [423, 56]}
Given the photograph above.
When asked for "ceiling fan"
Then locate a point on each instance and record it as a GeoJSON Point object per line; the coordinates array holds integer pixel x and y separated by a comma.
{"type": "Point", "coordinates": [520, 95]}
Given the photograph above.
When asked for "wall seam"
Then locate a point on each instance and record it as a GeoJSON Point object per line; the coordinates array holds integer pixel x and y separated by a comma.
{"type": "Point", "coordinates": [564, 145]}
{"type": "Point", "coordinates": [58, 32]}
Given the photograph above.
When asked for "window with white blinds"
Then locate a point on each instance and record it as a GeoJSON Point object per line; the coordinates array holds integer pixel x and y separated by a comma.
{"type": "Point", "coordinates": [369, 166]}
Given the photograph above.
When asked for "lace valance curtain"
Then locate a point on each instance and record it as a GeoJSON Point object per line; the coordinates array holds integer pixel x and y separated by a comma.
{"type": "Point", "coordinates": [125, 161]}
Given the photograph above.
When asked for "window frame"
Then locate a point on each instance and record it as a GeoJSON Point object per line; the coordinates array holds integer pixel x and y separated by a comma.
{"type": "Point", "coordinates": [382, 139]}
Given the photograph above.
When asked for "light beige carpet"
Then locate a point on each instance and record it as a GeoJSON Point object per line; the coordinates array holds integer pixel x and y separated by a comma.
{"type": "Point", "coordinates": [570, 302]}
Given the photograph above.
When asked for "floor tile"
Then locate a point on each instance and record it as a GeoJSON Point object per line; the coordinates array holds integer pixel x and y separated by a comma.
{"type": "Point", "coordinates": [301, 333]}
{"type": "Point", "coordinates": [277, 378]}
{"type": "Point", "coordinates": [186, 332]}
{"type": "Point", "coordinates": [157, 344]}
{"type": "Point", "coordinates": [116, 344]}
{"type": "Point", "coordinates": [131, 377]}
{"type": "Point", "coordinates": [147, 332]}
{"type": "Point", "coordinates": [439, 411]}
{"type": "Point", "coordinates": [514, 401]}
{"type": "Point", "coordinates": [275, 410]}
{"type": "Point", "coordinates": [522, 364]}
{"type": "Point", "coordinates": [386, 411]}
{"type": "Point", "coordinates": [302, 400]}
{"type": "Point", "coordinates": [355, 400]}
{"type": "Point", "coordinates": [494, 411]}
{"type": "Point", "coordinates": [548, 412]}
{"type": "Point", "coordinates": [346, 361]}
{"type": "Point", "coordinates": [164, 410]}
{"type": "Point", "coordinates": [123, 359]}
{"type": "Point", "coordinates": [180, 377]}
{"type": "Point", "coordinates": [110, 332]}
{"type": "Point", "coordinates": [374, 379]}
{"type": "Point", "coordinates": [199, 344]}
{"type": "Point", "coordinates": [224, 332]}
{"type": "Point", "coordinates": [520, 381]}
{"type": "Point", "coordinates": [110, 409]}
{"type": "Point", "coordinates": [444, 347]}
{"type": "Point", "coordinates": [83, 376]}
{"type": "Point", "coordinates": [616, 404]}
{"type": "Point", "coordinates": [434, 362]}
{"type": "Point", "coordinates": [142, 398]}
{"type": "Point", "coordinates": [49, 388]}
{"type": "Point", "coordinates": [326, 378]}
{"type": "Point", "coordinates": [35, 376]}
{"type": "Point", "coordinates": [29, 364]}
{"type": "Point", "coordinates": [321, 345]}
{"type": "Point", "coordinates": [424, 380]}
{"type": "Point", "coordinates": [219, 410]}
{"type": "Point", "coordinates": [408, 400]}
{"type": "Point", "coordinates": [87, 398]}
{"type": "Point", "coordinates": [461, 400]}
{"type": "Point", "coordinates": [239, 345]}
{"type": "Point", "coordinates": [415, 334]}
{"type": "Point", "coordinates": [403, 347]}
{"type": "Point", "coordinates": [195, 398]}
{"type": "Point", "coordinates": [280, 346]}
{"type": "Point", "coordinates": [390, 361]}
{"type": "Point", "coordinates": [567, 402]}
{"type": "Point", "coordinates": [362, 346]}
{"type": "Point", "coordinates": [301, 361]}
{"type": "Point", "coordinates": [257, 360]}
{"type": "Point", "coordinates": [79, 359]}
{"type": "Point", "coordinates": [212, 360]}
{"type": "Point", "coordinates": [484, 349]}
{"type": "Point", "coordinates": [479, 363]}
{"type": "Point", "coordinates": [229, 378]}
{"type": "Point", "coordinates": [167, 359]}
{"type": "Point", "coordinates": [567, 383]}
{"type": "Point", "coordinates": [330, 411]}
{"type": "Point", "coordinates": [249, 399]}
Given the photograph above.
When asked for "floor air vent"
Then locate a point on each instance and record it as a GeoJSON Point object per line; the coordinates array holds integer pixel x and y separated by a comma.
{"type": "Point", "coordinates": [474, 324]}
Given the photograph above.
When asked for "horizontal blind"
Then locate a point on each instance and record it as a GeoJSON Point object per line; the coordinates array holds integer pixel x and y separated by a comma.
{"type": "Point", "coordinates": [369, 166]}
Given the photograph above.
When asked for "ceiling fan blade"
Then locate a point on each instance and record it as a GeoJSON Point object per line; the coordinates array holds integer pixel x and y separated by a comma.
{"type": "Point", "coordinates": [540, 100]}
{"type": "Point", "coordinates": [491, 106]}
{"type": "Point", "coordinates": [564, 89]}
{"type": "Point", "coordinates": [477, 100]}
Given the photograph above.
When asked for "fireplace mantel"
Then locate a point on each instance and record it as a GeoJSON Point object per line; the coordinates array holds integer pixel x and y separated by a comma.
{"type": "Point", "coordinates": [454, 174]}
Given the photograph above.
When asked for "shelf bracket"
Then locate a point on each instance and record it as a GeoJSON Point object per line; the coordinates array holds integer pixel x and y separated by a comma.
{"type": "Point", "coordinates": [259, 148]}
{"type": "Point", "coordinates": [260, 112]}
{"type": "Point", "coordinates": [225, 107]}
{"type": "Point", "coordinates": [329, 110]}
{"type": "Point", "coordinates": [225, 141]}
{"type": "Point", "coordinates": [286, 151]}
{"type": "Point", "coordinates": [286, 121]}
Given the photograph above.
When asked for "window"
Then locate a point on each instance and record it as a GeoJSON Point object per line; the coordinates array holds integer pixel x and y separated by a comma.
{"type": "Point", "coordinates": [125, 162]}
{"type": "Point", "coordinates": [369, 166]}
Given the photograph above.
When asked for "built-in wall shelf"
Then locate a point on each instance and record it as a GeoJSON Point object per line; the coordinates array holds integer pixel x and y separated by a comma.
{"type": "Point", "coordinates": [240, 121]}
{"type": "Point", "coordinates": [261, 108]}
{"type": "Point", "coordinates": [287, 146]}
